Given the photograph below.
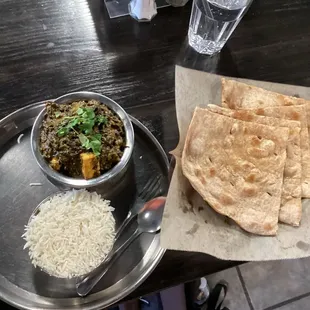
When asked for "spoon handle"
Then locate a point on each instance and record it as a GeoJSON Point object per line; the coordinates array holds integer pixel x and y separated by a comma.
{"type": "Point", "coordinates": [84, 286]}
{"type": "Point", "coordinates": [133, 212]}
{"type": "Point", "coordinates": [127, 220]}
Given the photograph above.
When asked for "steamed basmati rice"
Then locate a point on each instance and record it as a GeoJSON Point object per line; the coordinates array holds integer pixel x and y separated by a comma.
{"type": "Point", "coordinates": [35, 184]}
{"type": "Point", "coordinates": [19, 138]}
{"type": "Point", "coordinates": [72, 234]}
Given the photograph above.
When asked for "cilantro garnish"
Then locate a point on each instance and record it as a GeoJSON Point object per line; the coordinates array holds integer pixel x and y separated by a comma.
{"type": "Point", "coordinates": [83, 124]}
{"type": "Point", "coordinates": [91, 142]}
{"type": "Point", "coordinates": [100, 119]}
{"type": "Point", "coordinates": [57, 114]}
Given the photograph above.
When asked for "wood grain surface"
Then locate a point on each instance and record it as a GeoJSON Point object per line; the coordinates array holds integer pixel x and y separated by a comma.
{"type": "Point", "coordinates": [51, 47]}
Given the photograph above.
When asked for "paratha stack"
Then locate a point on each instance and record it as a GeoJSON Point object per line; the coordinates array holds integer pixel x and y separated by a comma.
{"type": "Point", "coordinates": [250, 158]}
{"type": "Point", "coordinates": [236, 95]}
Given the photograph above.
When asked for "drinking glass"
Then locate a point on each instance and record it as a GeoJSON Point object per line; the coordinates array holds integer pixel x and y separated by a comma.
{"type": "Point", "coordinates": [213, 21]}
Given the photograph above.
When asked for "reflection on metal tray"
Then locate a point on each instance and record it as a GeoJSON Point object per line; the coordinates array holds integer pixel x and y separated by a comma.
{"type": "Point", "coordinates": [26, 287]}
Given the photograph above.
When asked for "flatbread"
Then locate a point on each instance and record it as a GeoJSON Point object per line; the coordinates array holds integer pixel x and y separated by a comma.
{"type": "Point", "coordinates": [295, 113]}
{"type": "Point", "coordinates": [237, 167]}
{"type": "Point", "coordinates": [237, 95]}
{"type": "Point", "coordinates": [290, 208]}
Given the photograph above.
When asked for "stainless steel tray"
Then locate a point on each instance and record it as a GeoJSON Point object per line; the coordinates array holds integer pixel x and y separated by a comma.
{"type": "Point", "coordinates": [26, 287]}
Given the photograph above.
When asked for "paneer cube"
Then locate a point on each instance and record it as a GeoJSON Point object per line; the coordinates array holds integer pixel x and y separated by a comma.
{"type": "Point", "coordinates": [90, 165]}
{"type": "Point", "coordinates": [55, 164]}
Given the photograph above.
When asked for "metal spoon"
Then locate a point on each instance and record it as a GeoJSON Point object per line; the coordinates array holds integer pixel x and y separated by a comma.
{"type": "Point", "coordinates": [149, 191]}
{"type": "Point", "coordinates": [149, 221]}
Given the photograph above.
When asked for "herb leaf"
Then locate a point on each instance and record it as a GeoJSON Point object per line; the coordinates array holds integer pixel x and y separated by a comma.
{"type": "Point", "coordinates": [87, 126]}
{"type": "Point", "coordinates": [62, 131]}
{"type": "Point", "coordinates": [92, 142]}
{"type": "Point", "coordinates": [84, 121]}
{"type": "Point", "coordinates": [87, 113]}
{"type": "Point", "coordinates": [84, 140]}
{"type": "Point", "coordinates": [100, 119]}
{"type": "Point", "coordinates": [79, 111]}
{"type": "Point", "coordinates": [57, 114]}
{"type": "Point", "coordinates": [95, 143]}
{"type": "Point", "coordinates": [72, 123]}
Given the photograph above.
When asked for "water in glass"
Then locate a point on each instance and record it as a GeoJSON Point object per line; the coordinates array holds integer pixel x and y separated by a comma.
{"type": "Point", "coordinates": [212, 22]}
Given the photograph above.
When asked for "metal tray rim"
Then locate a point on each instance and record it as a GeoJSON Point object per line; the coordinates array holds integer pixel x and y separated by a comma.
{"type": "Point", "coordinates": [92, 306]}
{"type": "Point", "coordinates": [95, 303]}
{"type": "Point", "coordinates": [27, 107]}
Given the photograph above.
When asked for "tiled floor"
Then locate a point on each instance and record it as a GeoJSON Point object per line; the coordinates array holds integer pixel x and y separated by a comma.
{"type": "Point", "coordinates": [281, 285]}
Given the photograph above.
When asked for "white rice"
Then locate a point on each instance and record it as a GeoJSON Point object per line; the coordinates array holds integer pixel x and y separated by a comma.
{"type": "Point", "coordinates": [19, 138]}
{"type": "Point", "coordinates": [72, 234]}
{"type": "Point", "coordinates": [35, 184]}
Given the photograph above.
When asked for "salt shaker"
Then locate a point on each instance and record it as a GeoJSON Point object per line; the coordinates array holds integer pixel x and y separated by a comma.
{"type": "Point", "coordinates": [142, 10]}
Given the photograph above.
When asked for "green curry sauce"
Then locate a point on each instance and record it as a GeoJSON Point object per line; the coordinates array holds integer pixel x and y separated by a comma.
{"type": "Point", "coordinates": [81, 127]}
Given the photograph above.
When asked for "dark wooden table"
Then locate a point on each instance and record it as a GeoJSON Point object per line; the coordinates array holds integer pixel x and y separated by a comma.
{"type": "Point", "coordinates": [51, 47]}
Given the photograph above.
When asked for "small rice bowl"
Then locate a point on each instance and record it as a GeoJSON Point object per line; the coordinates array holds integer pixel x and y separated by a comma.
{"type": "Point", "coordinates": [71, 234]}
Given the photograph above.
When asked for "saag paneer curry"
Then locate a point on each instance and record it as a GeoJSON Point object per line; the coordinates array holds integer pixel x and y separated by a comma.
{"type": "Point", "coordinates": [82, 139]}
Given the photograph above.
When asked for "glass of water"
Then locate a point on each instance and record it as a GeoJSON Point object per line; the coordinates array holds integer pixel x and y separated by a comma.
{"type": "Point", "coordinates": [212, 22]}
